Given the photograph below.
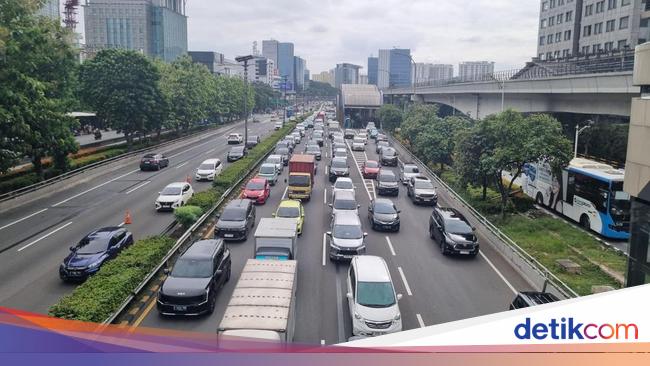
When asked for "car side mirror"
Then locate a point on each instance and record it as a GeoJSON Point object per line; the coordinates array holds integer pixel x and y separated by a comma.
{"type": "Point", "coordinates": [285, 180]}
{"type": "Point", "coordinates": [219, 272]}
{"type": "Point", "coordinates": [329, 233]}
{"type": "Point", "coordinates": [273, 214]}
{"type": "Point", "coordinates": [365, 234]}
{"type": "Point", "coordinates": [329, 204]}
{"type": "Point", "coordinates": [358, 206]}
{"type": "Point", "coordinates": [217, 215]}
{"type": "Point", "coordinates": [399, 211]}
{"type": "Point", "coordinates": [348, 295]}
{"type": "Point", "coordinates": [166, 271]}
{"type": "Point", "coordinates": [73, 249]}
{"type": "Point", "coordinates": [399, 297]}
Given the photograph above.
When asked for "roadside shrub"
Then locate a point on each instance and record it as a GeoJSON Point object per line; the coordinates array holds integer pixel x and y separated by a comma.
{"type": "Point", "coordinates": [188, 215]}
{"type": "Point", "coordinates": [102, 294]}
{"type": "Point", "coordinates": [205, 200]}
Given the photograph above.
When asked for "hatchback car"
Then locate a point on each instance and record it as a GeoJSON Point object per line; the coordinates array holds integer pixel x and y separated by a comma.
{"type": "Point", "coordinates": [235, 139]}
{"type": "Point", "coordinates": [292, 209]}
{"type": "Point", "coordinates": [174, 196]}
{"type": "Point", "coordinates": [344, 201]}
{"type": "Point", "coordinates": [408, 171]}
{"type": "Point", "coordinates": [252, 141]}
{"type": "Point", "coordinates": [338, 168]}
{"type": "Point", "coordinates": [387, 183]}
{"type": "Point", "coordinates": [95, 249]}
{"type": "Point", "coordinates": [192, 284]}
{"type": "Point", "coordinates": [383, 215]}
{"type": "Point", "coordinates": [343, 184]}
{"type": "Point", "coordinates": [370, 169]}
{"type": "Point", "coordinates": [209, 169]}
{"type": "Point", "coordinates": [371, 296]}
{"type": "Point", "coordinates": [313, 150]}
{"type": "Point", "coordinates": [388, 156]}
{"type": "Point", "coordinates": [380, 145]}
{"type": "Point", "coordinates": [340, 153]}
{"type": "Point", "coordinates": [257, 190]}
{"type": "Point", "coordinates": [346, 236]}
{"type": "Point", "coordinates": [421, 190]}
{"type": "Point", "coordinates": [453, 232]}
{"type": "Point", "coordinates": [237, 153]}
{"type": "Point", "coordinates": [358, 144]}
{"type": "Point", "coordinates": [269, 171]}
{"type": "Point", "coordinates": [236, 220]}
{"type": "Point", "coordinates": [349, 133]}
{"type": "Point", "coordinates": [153, 162]}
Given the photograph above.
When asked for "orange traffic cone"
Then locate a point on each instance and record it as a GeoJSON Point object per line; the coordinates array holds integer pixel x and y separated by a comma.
{"type": "Point", "coordinates": [188, 179]}
{"type": "Point", "coordinates": [127, 218]}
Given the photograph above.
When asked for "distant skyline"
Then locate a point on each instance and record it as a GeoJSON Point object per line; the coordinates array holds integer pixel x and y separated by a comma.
{"type": "Point", "coordinates": [327, 32]}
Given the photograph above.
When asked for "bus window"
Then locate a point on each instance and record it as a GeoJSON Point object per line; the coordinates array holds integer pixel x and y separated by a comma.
{"type": "Point", "coordinates": [592, 190]}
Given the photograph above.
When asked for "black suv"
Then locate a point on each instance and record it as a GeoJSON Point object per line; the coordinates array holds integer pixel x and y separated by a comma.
{"type": "Point", "coordinates": [388, 156]}
{"type": "Point", "coordinates": [236, 220]}
{"type": "Point", "coordinates": [383, 215]}
{"type": "Point", "coordinates": [387, 183]}
{"type": "Point", "coordinates": [532, 298]}
{"type": "Point", "coordinates": [237, 153]}
{"type": "Point", "coordinates": [153, 162]}
{"type": "Point", "coordinates": [453, 233]}
{"type": "Point", "coordinates": [191, 286]}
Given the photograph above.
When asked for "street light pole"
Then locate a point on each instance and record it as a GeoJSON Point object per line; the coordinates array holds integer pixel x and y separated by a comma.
{"type": "Point", "coordinates": [284, 97]}
{"type": "Point", "coordinates": [245, 60]}
{"type": "Point", "coordinates": [578, 132]}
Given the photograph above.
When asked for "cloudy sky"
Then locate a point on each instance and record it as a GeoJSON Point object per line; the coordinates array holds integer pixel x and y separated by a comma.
{"type": "Point", "coordinates": [326, 32]}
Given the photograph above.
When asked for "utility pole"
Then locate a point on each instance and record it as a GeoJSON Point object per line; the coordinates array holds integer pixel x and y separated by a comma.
{"type": "Point", "coordinates": [578, 132]}
{"type": "Point", "coordinates": [284, 97]}
{"type": "Point", "coordinates": [245, 60]}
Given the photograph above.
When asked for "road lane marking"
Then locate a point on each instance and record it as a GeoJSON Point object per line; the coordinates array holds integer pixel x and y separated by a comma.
{"type": "Point", "coordinates": [45, 236]}
{"type": "Point", "coordinates": [325, 196]}
{"type": "Point", "coordinates": [339, 307]}
{"type": "Point", "coordinates": [192, 148]}
{"type": "Point", "coordinates": [120, 225]}
{"type": "Point", "coordinates": [359, 170]}
{"type": "Point", "coordinates": [138, 187]}
{"type": "Point", "coordinates": [322, 342]}
{"type": "Point", "coordinates": [144, 314]}
{"type": "Point", "coordinates": [324, 248]}
{"type": "Point", "coordinates": [209, 151]}
{"type": "Point", "coordinates": [181, 165]}
{"type": "Point", "coordinates": [420, 321]}
{"type": "Point", "coordinates": [23, 219]}
{"type": "Point", "coordinates": [514, 291]}
{"type": "Point", "coordinates": [406, 284]}
{"type": "Point", "coordinates": [390, 246]}
{"type": "Point", "coordinates": [93, 188]}
{"type": "Point", "coordinates": [285, 192]}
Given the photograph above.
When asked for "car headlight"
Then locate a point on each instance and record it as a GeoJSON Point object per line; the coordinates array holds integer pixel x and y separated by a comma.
{"type": "Point", "coordinates": [94, 264]}
{"type": "Point", "coordinates": [397, 317]}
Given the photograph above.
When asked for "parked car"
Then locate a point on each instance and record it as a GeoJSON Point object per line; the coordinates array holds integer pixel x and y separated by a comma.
{"type": "Point", "coordinates": [526, 299]}
{"type": "Point", "coordinates": [453, 232]}
{"type": "Point", "coordinates": [252, 141]}
{"type": "Point", "coordinates": [235, 138]}
{"type": "Point", "coordinates": [153, 162]}
{"type": "Point", "coordinates": [95, 249]}
{"type": "Point", "coordinates": [388, 156]}
{"type": "Point", "coordinates": [358, 144]}
{"type": "Point", "coordinates": [344, 201]}
{"type": "Point", "coordinates": [380, 145]}
{"type": "Point", "coordinates": [408, 171]}
{"type": "Point", "coordinates": [421, 190]}
{"type": "Point", "coordinates": [338, 168]}
{"type": "Point", "coordinates": [208, 170]}
{"type": "Point", "coordinates": [174, 196]}
{"type": "Point", "coordinates": [236, 220]}
{"type": "Point", "coordinates": [257, 190]}
{"type": "Point", "coordinates": [237, 153]}
{"type": "Point", "coordinates": [343, 184]}
{"type": "Point", "coordinates": [383, 215]}
{"type": "Point", "coordinates": [292, 209]}
{"type": "Point", "coordinates": [370, 169]}
{"type": "Point", "coordinates": [269, 171]}
{"type": "Point", "coordinates": [346, 236]}
{"type": "Point", "coordinates": [191, 286]}
{"type": "Point", "coordinates": [387, 183]}
{"type": "Point", "coordinates": [277, 160]}
{"type": "Point", "coordinates": [372, 300]}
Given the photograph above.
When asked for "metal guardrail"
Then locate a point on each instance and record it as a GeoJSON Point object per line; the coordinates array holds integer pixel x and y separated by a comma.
{"type": "Point", "coordinates": [530, 268]}
{"type": "Point", "coordinates": [36, 186]}
{"type": "Point", "coordinates": [188, 235]}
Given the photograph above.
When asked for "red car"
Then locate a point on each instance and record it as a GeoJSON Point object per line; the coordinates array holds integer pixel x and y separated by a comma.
{"type": "Point", "coordinates": [370, 169]}
{"type": "Point", "coordinates": [257, 190]}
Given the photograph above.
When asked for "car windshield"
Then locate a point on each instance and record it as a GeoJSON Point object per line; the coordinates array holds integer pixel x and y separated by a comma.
{"type": "Point", "coordinates": [233, 136]}
{"type": "Point", "coordinates": [345, 204]}
{"type": "Point", "coordinates": [423, 184]}
{"type": "Point", "coordinates": [411, 169]}
{"type": "Point", "coordinates": [388, 152]}
{"type": "Point", "coordinates": [149, 156]}
{"type": "Point", "coordinates": [318, 134]}
{"type": "Point", "coordinates": [338, 152]}
{"type": "Point", "coordinates": [274, 159]}
{"type": "Point", "coordinates": [93, 244]}
{"type": "Point", "coordinates": [192, 268]}
{"type": "Point", "coordinates": [347, 232]}
{"type": "Point", "coordinates": [372, 164]}
{"type": "Point", "coordinates": [344, 184]}
{"type": "Point", "coordinates": [171, 191]}
{"type": "Point", "coordinates": [282, 151]}
{"type": "Point", "coordinates": [336, 163]}
{"type": "Point", "coordinates": [255, 186]}
{"type": "Point", "coordinates": [299, 180]}
{"type": "Point", "coordinates": [384, 208]}
{"type": "Point", "coordinates": [375, 294]}
{"type": "Point", "coordinates": [206, 167]}
{"type": "Point", "coordinates": [358, 140]}
{"type": "Point", "coordinates": [238, 149]}
{"type": "Point", "coordinates": [387, 178]}
{"type": "Point", "coordinates": [267, 169]}
{"type": "Point", "coordinates": [288, 212]}
{"type": "Point", "coordinates": [455, 226]}
{"type": "Point", "coordinates": [233, 214]}
{"type": "Point", "coordinates": [313, 149]}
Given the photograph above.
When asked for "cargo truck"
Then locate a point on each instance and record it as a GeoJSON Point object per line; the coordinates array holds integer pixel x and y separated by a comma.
{"type": "Point", "coordinates": [263, 304]}
{"type": "Point", "coordinates": [275, 238]}
{"type": "Point", "coordinates": [301, 176]}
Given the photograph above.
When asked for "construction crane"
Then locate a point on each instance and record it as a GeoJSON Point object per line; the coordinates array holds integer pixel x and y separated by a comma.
{"type": "Point", "coordinates": [70, 14]}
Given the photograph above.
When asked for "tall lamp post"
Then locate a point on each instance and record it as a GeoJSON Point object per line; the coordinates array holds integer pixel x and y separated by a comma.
{"type": "Point", "coordinates": [578, 132]}
{"type": "Point", "coordinates": [245, 60]}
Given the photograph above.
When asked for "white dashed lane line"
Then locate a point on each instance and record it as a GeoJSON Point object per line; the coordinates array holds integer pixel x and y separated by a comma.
{"type": "Point", "coordinates": [45, 236]}
{"type": "Point", "coordinates": [406, 284]}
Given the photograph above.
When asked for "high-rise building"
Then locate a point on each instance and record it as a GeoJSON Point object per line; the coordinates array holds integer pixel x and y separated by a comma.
{"type": "Point", "coordinates": [373, 66]}
{"type": "Point", "coordinates": [50, 9]}
{"type": "Point", "coordinates": [285, 64]}
{"type": "Point", "coordinates": [157, 28]}
{"type": "Point", "coordinates": [586, 27]}
{"type": "Point", "coordinates": [299, 66]}
{"type": "Point", "coordinates": [474, 70]}
{"type": "Point", "coordinates": [270, 50]}
{"type": "Point", "coordinates": [210, 59]}
{"type": "Point", "coordinates": [383, 69]}
{"type": "Point", "coordinates": [324, 77]}
{"type": "Point", "coordinates": [432, 72]}
{"type": "Point", "coordinates": [363, 79]}
{"type": "Point", "coordinates": [346, 73]}
{"type": "Point", "coordinates": [400, 68]}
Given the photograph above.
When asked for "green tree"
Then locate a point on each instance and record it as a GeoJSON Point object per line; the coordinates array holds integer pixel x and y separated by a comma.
{"type": "Point", "coordinates": [265, 97]}
{"type": "Point", "coordinates": [390, 117]}
{"type": "Point", "coordinates": [123, 88]}
{"type": "Point", "coordinates": [318, 89]}
{"type": "Point", "coordinates": [471, 144]}
{"type": "Point", "coordinates": [37, 68]}
{"type": "Point", "coordinates": [436, 140]}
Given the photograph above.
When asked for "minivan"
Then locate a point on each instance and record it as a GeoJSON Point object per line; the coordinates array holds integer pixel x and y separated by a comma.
{"type": "Point", "coordinates": [346, 236]}
{"type": "Point", "coordinates": [344, 201]}
{"type": "Point", "coordinates": [236, 220]}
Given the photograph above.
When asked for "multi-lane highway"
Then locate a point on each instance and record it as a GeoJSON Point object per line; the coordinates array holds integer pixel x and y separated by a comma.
{"type": "Point", "coordinates": [436, 289]}
{"type": "Point", "coordinates": [35, 237]}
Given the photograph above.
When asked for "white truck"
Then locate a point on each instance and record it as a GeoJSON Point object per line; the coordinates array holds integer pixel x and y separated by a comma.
{"type": "Point", "coordinates": [263, 303]}
{"type": "Point", "coordinates": [275, 238]}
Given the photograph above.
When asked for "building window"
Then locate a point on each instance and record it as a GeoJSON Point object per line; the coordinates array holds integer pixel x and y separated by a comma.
{"type": "Point", "coordinates": [568, 16]}
{"type": "Point", "coordinates": [567, 35]}
{"type": "Point", "coordinates": [541, 40]}
{"type": "Point", "coordinates": [611, 4]}
{"type": "Point", "coordinates": [558, 37]}
{"type": "Point", "coordinates": [624, 23]}
{"type": "Point", "coordinates": [625, 2]}
{"type": "Point", "coordinates": [543, 24]}
{"type": "Point", "coordinates": [596, 48]}
{"type": "Point", "coordinates": [600, 6]}
{"type": "Point", "coordinates": [549, 39]}
{"type": "Point", "coordinates": [549, 55]}
{"type": "Point", "coordinates": [586, 31]}
{"type": "Point", "coordinates": [565, 53]}
{"type": "Point", "coordinates": [545, 6]}
{"type": "Point", "coordinates": [551, 21]}
{"type": "Point", "coordinates": [552, 4]}
{"type": "Point", "coordinates": [560, 2]}
{"type": "Point", "coordinates": [622, 44]}
{"type": "Point", "coordinates": [585, 50]}
{"type": "Point", "coordinates": [610, 26]}
{"type": "Point", "coordinates": [609, 46]}
{"type": "Point", "coordinates": [589, 10]}
{"type": "Point", "coordinates": [556, 54]}
{"type": "Point", "coordinates": [598, 28]}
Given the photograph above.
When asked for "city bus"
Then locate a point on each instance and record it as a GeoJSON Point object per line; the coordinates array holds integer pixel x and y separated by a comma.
{"type": "Point", "coordinates": [591, 194]}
